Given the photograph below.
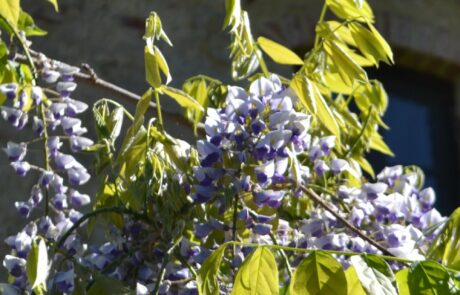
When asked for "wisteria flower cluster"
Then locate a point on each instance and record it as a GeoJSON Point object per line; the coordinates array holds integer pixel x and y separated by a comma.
{"type": "Point", "coordinates": [56, 192]}
{"type": "Point", "coordinates": [257, 143]}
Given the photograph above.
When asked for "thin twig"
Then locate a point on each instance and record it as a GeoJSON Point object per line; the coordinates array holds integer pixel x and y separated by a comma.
{"type": "Point", "coordinates": [317, 199]}
{"type": "Point", "coordinates": [93, 79]}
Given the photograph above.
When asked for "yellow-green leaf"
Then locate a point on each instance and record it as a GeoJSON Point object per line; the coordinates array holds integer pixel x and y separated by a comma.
{"type": "Point", "coordinates": [402, 279]}
{"type": "Point", "coordinates": [278, 52]}
{"type": "Point", "coordinates": [348, 9]}
{"type": "Point", "coordinates": [55, 4]}
{"type": "Point", "coordinates": [37, 264]}
{"type": "Point", "coordinates": [378, 144]}
{"type": "Point", "coordinates": [9, 9]}
{"type": "Point", "coordinates": [364, 164]}
{"type": "Point", "coordinates": [347, 68]}
{"type": "Point", "coordinates": [258, 275]}
{"type": "Point", "coordinates": [319, 273]}
{"type": "Point", "coordinates": [161, 61]}
{"type": "Point", "coordinates": [182, 98]}
{"type": "Point", "coordinates": [152, 68]}
{"type": "Point", "coordinates": [371, 43]}
{"type": "Point", "coordinates": [209, 272]}
{"type": "Point", "coordinates": [354, 286]}
{"type": "Point", "coordinates": [300, 87]}
{"type": "Point", "coordinates": [324, 113]}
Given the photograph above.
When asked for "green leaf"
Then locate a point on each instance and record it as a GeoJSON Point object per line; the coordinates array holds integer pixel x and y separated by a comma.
{"type": "Point", "coordinates": [347, 68]}
{"type": "Point", "coordinates": [378, 144]}
{"type": "Point", "coordinates": [233, 13]}
{"type": "Point", "coordinates": [375, 275]}
{"type": "Point", "coordinates": [446, 246]}
{"type": "Point", "coordinates": [348, 9]}
{"type": "Point", "coordinates": [182, 98]}
{"type": "Point", "coordinates": [365, 165]}
{"type": "Point", "coordinates": [152, 68]}
{"type": "Point", "coordinates": [105, 285]}
{"type": "Point", "coordinates": [402, 278]}
{"type": "Point", "coordinates": [278, 52]}
{"type": "Point", "coordinates": [371, 43]}
{"type": "Point", "coordinates": [209, 272]}
{"type": "Point", "coordinates": [428, 277]}
{"type": "Point", "coordinates": [37, 265]}
{"type": "Point", "coordinates": [258, 275]}
{"type": "Point", "coordinates": [354, 286]}
{"type": "Point", "coordinates": [9, 9]}
{"type": "Point", "coordinates": [319, 273]}
{"type": "Point", "coordinates": [304, 91]}
{"type": "Point", "coordinates": [27, 24]}
{"type": "Point", "coordinates": [55, 4]}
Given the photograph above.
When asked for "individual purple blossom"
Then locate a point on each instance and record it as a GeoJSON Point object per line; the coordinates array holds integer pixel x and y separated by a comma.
{"type": "Point", "coordinates": [78, 143]}
{"type": "Point", "coordinates": [65, 281]}
{"type": "Point", "coordinates": [50, 76]}
{"type": "Point", "coordinates": [9, 90]}
{"type": "Point", "coordinates": [14, 265]}
{"type": "Point", "coordinates": [321, 167]}
{"type": "Point", "coordinates": [79, 200]}
{"type": "Point", "coordinates": [339, 165]}
{"type": "Point", "coordinates": [37, 126]}
{"type": "Point", "coordinates": [262, 229]}
{"type": "Point", "coordinates": [374, 190]}
{"type": "Point", "coordinates": [36, 196]}
{"type": "Point", "coordinates": [12, 115]}
{"type": "Point", "coordinates": [54, 144]}
{"type": "Point", "coordinates": [60, 201]}
{"type": "Point", "coordinates": [72, 126]}
{"type": "Point", "coordinates": [64, 161]}
{"type": "Point", "coordinates": [15, 151]}
{"type": "Point", "coordinates": [58, 110]}
{"type": "Point", "coordinates": [270, 198]}
{"type": "Point", "coordinates": [21, 167]}
{"type": "Point", "coordinates": [78, 176]}
{"type": "Point", "coordinates": [22, 100]}
{"type": "Point", "coordinates": [66, 88]}
{"type": "Point", "coordinates": [75, 107]}
{"type": "Point", "coordinates": [24, 208]}
{"type": "Point", "coordinates": [36, 93]}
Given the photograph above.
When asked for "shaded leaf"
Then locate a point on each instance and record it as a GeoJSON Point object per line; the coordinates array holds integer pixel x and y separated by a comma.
{"type": "Point", "coordinates": [105, 285]}
{"type": "Point", "coordinates": [27, 24]}
{"type": "Point", "coordinates": [209, 272]}
{"type": "Point", "coordinates": [258, 275]}
{"type": "Point", "coordinates": [279, 53]}
{"type": "Point", "coordinates": [428, 277]}
{"type": "Point", "coordinates": [319, 273]}
{"type": "Point", "coordinates": [182, 98]}
{"type": "Point", "coordinates": [446, 246]}
{"type": "Point", "coordinates": [55, 4]}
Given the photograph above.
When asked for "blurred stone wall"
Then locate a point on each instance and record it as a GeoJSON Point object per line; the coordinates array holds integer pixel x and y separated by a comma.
{"type": "Point", "coordinates": [107, 34]}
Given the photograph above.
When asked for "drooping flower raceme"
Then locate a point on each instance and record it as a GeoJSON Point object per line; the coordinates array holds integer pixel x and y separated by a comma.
{"type": "Point", "coordinates": [59, 178]}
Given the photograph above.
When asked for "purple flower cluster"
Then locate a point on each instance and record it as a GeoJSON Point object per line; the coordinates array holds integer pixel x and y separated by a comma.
{"type": "Point", "coordinates": [394, 212]}
{"type": "Point", "coordinates": [258, 142]}
{"type": "Point", "coordinates": [61, 175]}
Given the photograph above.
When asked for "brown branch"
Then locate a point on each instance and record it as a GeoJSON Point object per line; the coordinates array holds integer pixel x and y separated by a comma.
{"type": "Point", "coordinates": [93, 79]}
{"type": "Point", "coordinates": [317, 199]}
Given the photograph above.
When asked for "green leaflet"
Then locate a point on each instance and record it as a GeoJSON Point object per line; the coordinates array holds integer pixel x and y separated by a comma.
{"type": "Point", "coordinates": [258, 275]}
{"type": "Point", "coordinates": [348, 69]}
{"type": "Point", "coordinates": [154, 29]}
{"type": "Point", "coordinates": [354, 286]}
{"type": "Point", "coordinates": [428, 277]}
{"type": "Point", "coordinates": [27, 24]}
{"type": "Point", "coordinates": [314, 102]}
{"type": "Point", "coordinates": [37, 266]}
{"type": "Point", "coordinates": [319, 273]}
{"type": "Point", "coordinates": [278, 52]}
{"type": "Point", "coordinates": [348, 9]}
{"type": "Point", "coordinates": [9, 9]}
{"type": "Point", "coordinates": [209, 272]}
{"type": "Point", "coordinates": [105, 285]}
{"type": "Point", "coordinates": [365, 165]}
{"type": "Point", "coordinates": [55, 4]}
{"type": "Point", "coordinates": [378, 144]}
{"type": "Point", "coordinates": [375, 275]}
{"type": "Point", "coordinates": [155, 64]}
{"type": "Point", "coordinates": [446, 246]}
{"type": "Point", "coordinates": [182, 98]}
{"type": "Point", "coordinates": [371, 43]}
{"type": "Point", "coordinates": [402, 279]}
